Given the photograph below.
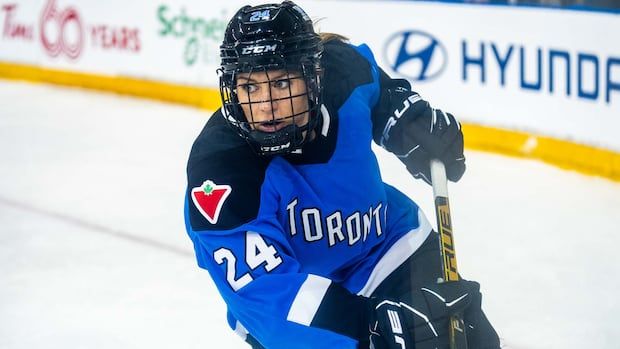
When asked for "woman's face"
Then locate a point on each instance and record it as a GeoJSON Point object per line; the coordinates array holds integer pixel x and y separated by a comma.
{"type": "Point", "coordinates": [273, 99]}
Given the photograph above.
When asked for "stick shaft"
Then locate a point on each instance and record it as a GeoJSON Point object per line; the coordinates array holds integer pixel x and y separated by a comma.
{"type": "Point", "coordinates": [458, 339]}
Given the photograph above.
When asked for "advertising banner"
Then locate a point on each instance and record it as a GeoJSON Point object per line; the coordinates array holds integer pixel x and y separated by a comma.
{"type": "Point", "coordinates": [157, 40]}
{"type": "Point", "coordinates": [542, 71]}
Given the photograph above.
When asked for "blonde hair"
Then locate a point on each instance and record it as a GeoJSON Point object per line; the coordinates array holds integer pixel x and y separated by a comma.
{"type": "Point", "coordinates": [327, 37]}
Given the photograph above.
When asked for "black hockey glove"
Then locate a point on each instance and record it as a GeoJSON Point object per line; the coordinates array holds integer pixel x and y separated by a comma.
{"type": "Point", "coordinates": [417, 133]}
{"type": "Point", "coordinates": [419, 319]}
{"type": "Point", "coordinates": [480, 332]}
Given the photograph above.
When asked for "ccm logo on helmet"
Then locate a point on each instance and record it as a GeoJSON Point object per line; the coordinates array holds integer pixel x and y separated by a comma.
{"type": "Point", "coordinates": [259, 49]}
{"type": "Point", "coordinates": [276, 147]}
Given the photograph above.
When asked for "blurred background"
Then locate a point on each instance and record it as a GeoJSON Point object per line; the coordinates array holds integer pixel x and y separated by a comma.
{"type": "Point", "coordinates": [601, 4]}
{"type": "Point", "coordinates": [100, 103]}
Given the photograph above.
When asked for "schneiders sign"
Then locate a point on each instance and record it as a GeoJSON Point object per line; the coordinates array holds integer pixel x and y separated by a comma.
{"type": "Point", "coordinates": [201, 34]}
{"type": "Point", "coordinates": [559, 75]}
{"type": "Point", "coordinates": [156, 40]}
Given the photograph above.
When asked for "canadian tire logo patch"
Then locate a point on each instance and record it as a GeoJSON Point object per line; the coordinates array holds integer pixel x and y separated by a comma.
{"type": "Point", "coordinates": [209, 198]}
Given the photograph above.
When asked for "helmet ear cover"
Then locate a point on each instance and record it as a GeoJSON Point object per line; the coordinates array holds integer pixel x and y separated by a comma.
{"type": "Point", "coordinates": [268, 38]}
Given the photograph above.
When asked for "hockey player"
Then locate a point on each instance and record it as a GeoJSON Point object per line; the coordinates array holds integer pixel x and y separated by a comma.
{"type": "Point", "coordinates": [285, 203]}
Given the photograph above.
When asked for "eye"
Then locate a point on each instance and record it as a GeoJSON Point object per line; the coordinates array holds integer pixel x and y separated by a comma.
{"type": "Point", "coordinates": [249, 88]}
{"type": "Point", "coordinates": [282, 83]}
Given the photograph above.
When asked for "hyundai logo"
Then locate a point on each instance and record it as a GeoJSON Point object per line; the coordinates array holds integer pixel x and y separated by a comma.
{"type": "Point", "coordinates": [415, 55]}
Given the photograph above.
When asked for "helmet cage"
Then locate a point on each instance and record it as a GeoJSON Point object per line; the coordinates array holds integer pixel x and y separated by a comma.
{"type": "Point", "coordinates": [288, 138]}
{"type": "Point", "coordinates": [297, 54]}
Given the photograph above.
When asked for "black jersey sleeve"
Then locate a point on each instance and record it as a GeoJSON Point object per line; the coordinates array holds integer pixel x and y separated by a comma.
{"type": "Point", "coordinates": [223, 161]}
{"type": "Point", "coordinates": [344, 70]}
{"type": "Point", "coordinates": [388, 101]}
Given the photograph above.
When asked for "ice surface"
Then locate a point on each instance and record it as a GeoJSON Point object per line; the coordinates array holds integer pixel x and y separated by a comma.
{"type": "Point", "coordinates": [93, 252]}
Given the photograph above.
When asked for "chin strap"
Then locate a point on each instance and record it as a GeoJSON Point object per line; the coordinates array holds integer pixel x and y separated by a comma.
{"type": "Point", "coordinates": [286, 140]}
{"type": "Point", "coordinates": [282, 141]}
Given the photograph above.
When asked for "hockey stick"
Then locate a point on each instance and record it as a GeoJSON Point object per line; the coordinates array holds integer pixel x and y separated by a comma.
{"type": "Point", "coordinates": [458, 339]}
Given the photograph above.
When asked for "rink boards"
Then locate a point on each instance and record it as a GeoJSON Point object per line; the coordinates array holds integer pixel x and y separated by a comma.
{"type": "Point", "coordinates": [532, 82]}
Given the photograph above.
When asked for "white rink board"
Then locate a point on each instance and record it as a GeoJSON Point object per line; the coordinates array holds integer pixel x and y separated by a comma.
{"type": "Point", "coordinates": [590, 120]}
{"type": "Point", "coordinates": [178, 42]}
{"type": "Point", "coordinates": [168, 41]}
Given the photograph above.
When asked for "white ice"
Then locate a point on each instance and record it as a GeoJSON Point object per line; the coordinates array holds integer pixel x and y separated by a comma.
{"type": "Point", "coordinates": [93, 251]}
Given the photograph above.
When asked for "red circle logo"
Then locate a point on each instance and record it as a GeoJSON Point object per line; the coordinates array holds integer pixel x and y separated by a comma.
{"type": "Point", "coordinates": [61, 31]}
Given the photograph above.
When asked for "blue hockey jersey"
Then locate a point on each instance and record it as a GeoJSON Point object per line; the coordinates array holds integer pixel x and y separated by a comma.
{"type": "Point", "coordinates": [295, 242]}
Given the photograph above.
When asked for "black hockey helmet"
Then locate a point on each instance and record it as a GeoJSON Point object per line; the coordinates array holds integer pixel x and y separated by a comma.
{"type": "Point", "coordinates": [266, 38]}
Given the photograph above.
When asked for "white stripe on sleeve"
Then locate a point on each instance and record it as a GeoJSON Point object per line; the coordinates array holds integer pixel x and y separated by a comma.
{"type": "Point", "coordinates": [308, 300]}
{"type": "Point", "coordinates": [241, 331]}
{"type": "Point", "coordinates": [397, 254]}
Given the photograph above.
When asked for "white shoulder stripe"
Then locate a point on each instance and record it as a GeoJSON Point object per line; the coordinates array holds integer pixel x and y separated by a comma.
{"type": "Point", "coordinates": [308, 300]}
{"type": "Point", "coordinates": [326, 120]}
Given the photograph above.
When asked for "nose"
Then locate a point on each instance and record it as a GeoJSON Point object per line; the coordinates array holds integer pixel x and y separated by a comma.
{"type": "Point", "coordinates": [266, 107]}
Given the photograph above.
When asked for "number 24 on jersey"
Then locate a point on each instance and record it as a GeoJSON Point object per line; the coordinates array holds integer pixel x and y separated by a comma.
{"type": "Point", "coordinates": [257, 253]}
